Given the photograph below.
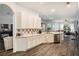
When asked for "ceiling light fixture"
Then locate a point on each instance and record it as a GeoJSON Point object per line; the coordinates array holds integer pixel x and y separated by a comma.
{"type": "Point", "coordinates": [68, 4]}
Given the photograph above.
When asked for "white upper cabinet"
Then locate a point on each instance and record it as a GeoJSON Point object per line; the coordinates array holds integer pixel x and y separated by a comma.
{"type": "Point", "coordinates": [30, 20]}
{"type": "Point", "coordinates": [18, 19]}
{"type": "Point", "coordinates": [27, 19]}
{"type": "Point", "coordinates": [37, 22]}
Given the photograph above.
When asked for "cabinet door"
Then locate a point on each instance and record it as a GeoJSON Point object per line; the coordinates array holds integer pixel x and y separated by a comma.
{"type": "Point", "coordinates": [21, 44]}
{"type": "Point", "coordinates": [39, 22]}
{"type": "Point", "coordinates": [33, 41]}
{"type": "Point", "coordinates": [18, 19]}
{"type": "Point", "coordinates": [30, 42]}
{"type": "Point", "coordinates": [25, 20]}
{"type": "Point", "coordinates": [45, 36]}
{"type": "Point", "coordinates": [37, 41]}
{"type": "Point", "coordinates": [36, 22]}
{"type": "Point", "coordinates": [50, 38]}
{"type": "Point", "coordinates": [30, 22]}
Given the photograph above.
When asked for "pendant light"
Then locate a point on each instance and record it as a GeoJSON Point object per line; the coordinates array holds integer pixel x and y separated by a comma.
{"type": "Point", "coordinates": [68, 4]}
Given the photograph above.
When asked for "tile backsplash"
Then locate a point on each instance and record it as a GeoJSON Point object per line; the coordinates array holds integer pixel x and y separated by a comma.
{"type": "Point", "coordinates": [23, 32]}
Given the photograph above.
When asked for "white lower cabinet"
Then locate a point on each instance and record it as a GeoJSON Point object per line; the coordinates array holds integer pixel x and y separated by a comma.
{"type": "Point", "coordinates": [49, 38]}
{"type": "Point", "coordinates": [45, 39]}
{"type": "Point", "coordinates": [30, 42]}
{"type": "Point", "coordinates": [37, 40]}
{"type": "Point", "coordinates": [26, 43]}
{"type": "Point", "coordinates": [21, 44]}
{"type": "Point", "coordinates": [33, 41]}
{"type": "Point", "coordinates": [40, 39]}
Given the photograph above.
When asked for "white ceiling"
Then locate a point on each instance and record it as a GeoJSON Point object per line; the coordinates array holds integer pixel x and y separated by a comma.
{"type": "Point", "coordinates": [44, 9]}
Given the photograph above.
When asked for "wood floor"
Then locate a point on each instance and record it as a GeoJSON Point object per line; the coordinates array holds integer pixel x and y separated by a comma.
{"type": "Point", "coordinates": [66, 48]}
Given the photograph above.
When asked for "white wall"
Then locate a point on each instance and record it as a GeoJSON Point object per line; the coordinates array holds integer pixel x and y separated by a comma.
{"type": "Point", "coordinates": [6, 19]}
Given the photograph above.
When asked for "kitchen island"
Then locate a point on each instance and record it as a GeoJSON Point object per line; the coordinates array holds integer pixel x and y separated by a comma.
{"type": "Point", "coordinates": [24, 43]}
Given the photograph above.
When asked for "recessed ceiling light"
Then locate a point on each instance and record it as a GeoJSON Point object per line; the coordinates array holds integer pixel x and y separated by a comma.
{"type": "Point", "coordinates": [52, 10]}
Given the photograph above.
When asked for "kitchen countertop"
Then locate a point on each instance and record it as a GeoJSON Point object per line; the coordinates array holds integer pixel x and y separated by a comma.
{"type": "Point", "coordinates": [30, 35]}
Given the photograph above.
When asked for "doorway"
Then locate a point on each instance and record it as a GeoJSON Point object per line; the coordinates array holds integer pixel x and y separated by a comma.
{"type": "Point", "coordinates": [6, 28]}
